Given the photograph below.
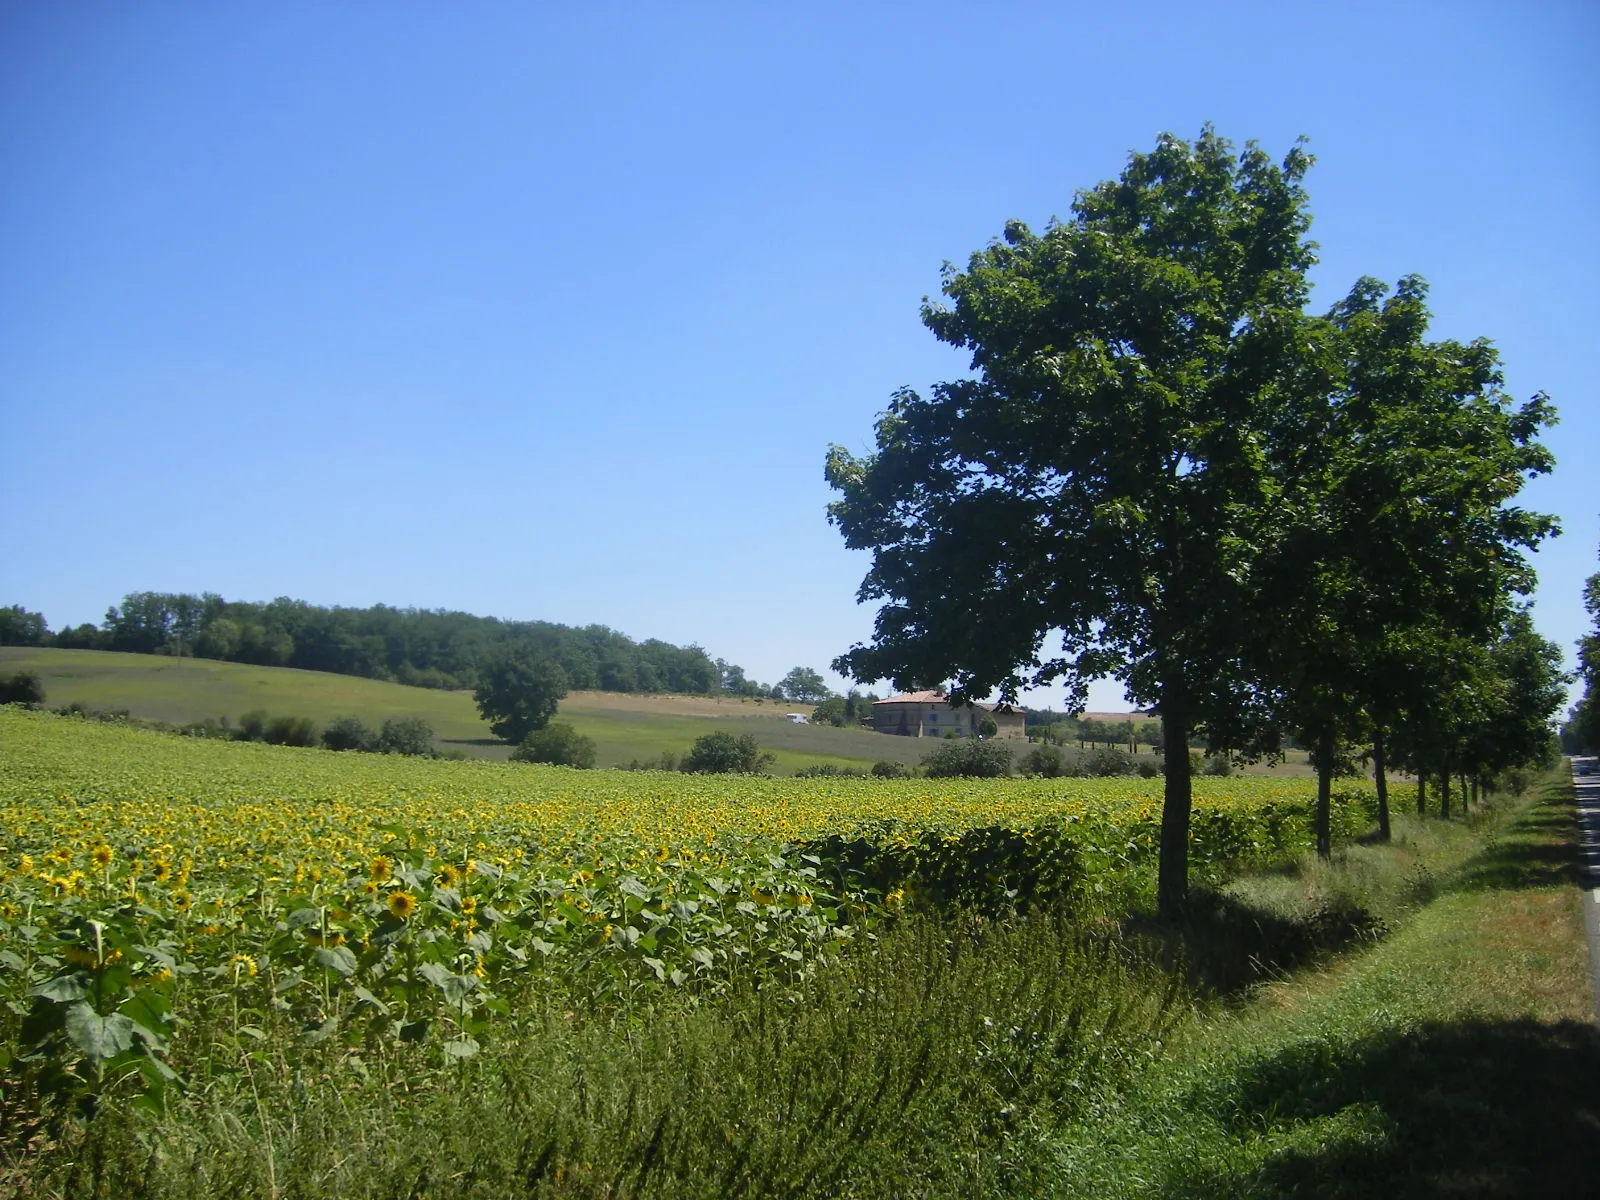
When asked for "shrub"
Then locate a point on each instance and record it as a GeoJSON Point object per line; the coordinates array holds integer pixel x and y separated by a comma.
{"type": "Point", "coordinates": [887, 769]}
{"type": "Point", "coordinates": [22, 688]}
{"type": "Point", "coordinates": [1219, 765]}
{"type": "Point", "coordinates": [665, 761]}
{"type": "Point", "coordinates": [558, 744]}
{"type": "Point", "coordinates": [348, 733]}
{"type": "Point", "coordinates": [828, 771]}
{"type": "Point", "coordinates": [721, 754]}
{"type": "Point", "coordinates": [1107, 761]}
{"type": "Point", "coordinates": [253, 726]}
{"type": "Point", "coordinates": [408, 735]}
{"type": "Point", "coordinates": [1046, 762]}
{"type": "Point", "coordinates": [291, 731]}
{"type": "Point", "coordinates": [965, 757]}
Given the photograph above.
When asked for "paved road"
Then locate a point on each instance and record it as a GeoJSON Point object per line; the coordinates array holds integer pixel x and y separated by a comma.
{"type": "Point", "coordinates": [1588, 787]}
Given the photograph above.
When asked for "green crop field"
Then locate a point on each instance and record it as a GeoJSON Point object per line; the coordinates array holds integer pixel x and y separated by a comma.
{"type": "Point", "coordinates": [624, 727]}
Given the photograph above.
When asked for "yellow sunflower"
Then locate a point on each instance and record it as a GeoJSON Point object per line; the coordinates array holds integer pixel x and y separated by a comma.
{"type": "Point", "coordinates": [401, 905]}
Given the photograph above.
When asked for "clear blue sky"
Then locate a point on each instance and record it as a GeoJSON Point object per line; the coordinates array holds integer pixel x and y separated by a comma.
{"type": "Point", "coordinates": [551, 311]}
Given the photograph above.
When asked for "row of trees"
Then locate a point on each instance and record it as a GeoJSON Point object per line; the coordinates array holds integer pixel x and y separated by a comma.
{"type": "Point", "coordinates": [429, 648]}
{"type": "Point", "coordinates": [1581, 733]}
{"type": "Point", "coordinates": [1265, 522]}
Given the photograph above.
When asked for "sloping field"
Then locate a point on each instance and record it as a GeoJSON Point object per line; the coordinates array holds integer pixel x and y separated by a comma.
{"type": "Point", "coordinates": [624, 727]}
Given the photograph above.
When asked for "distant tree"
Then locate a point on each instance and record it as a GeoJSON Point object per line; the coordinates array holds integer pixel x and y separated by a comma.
{"type": "Point", "coordinates": [557, 744]}
{"type": "Point", "coordinates": [830, 712]}
{"type": "Point", "coordinates": [518, 691]}
{"type": "Point", "coordinates": [987, 727]}
{"type": "Point", "coordinates": [291, 731]}
{"type": "Point", "coordinates": [348, 733]}
{"type": "Point", "coordinates": [722, 753]}
{"type": "Point", "coordinates": [406, 735]}
{"type": "Point", "coordinates": [24, 687]}
{"type": "Point", "coordinates": [19, 627]}
{"type": "Point", "coordinates": [803, 686]}
{"type": "Point", "coordinates": [1582, 730]}
{"type": "Point", "coordinates": [888, 769]}
{"type": "Point", "coordinates": [79, 637]}
{"type": "Point", "coordinates": [965, 757]}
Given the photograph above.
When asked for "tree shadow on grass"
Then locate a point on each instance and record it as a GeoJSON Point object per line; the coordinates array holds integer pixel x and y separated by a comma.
{"type": "Point", "coordinates": [488, 741]}
{"type": "Point", "coordinates": [1468, 1108]}
{"type": "Point", "coordinates": [1225, 946]}
{"type": "Point", "coordinates": [1537, 851]}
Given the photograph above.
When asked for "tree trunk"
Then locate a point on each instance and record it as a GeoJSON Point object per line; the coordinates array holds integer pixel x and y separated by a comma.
{"type": "Point", "coordinates": [1444, 791]}
{"type": "Point", "coordinates": [1422, 792]}
{"type": "Point", "coordinates": [1172, 877]}
{"type": "Point", "coordinates": [1380, 774]}
{"type": "Point", "coordinates": [1324, 794]}
{"type": "Point", "coordinates": [1476, 793]}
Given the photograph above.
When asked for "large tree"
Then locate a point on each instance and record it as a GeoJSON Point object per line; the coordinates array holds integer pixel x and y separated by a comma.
{"type": "Point", "coordinates": [518, 691]}
{"type": "Point", "coordinates": [1101, 483]}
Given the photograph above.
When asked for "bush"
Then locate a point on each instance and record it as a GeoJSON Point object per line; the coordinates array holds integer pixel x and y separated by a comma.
{"type": "Point", "coordinates": [1046, 762]}
{"type": "Point", "coordinates": [291, 731]}
{"type": "Point", "coordinates": [828, 771]}
{"type": "Point", "coordinates": [408, 735]}
{"type": "Point", "coordinates": [965, 757]}
{"type": "Point", "coordinates": [348, 733]}
{"type": "Point", "coordinates": [665, 761]}
{"type": "Point", "coordinates": [253, 726]}
{"type": "Point", "coordinates": [24, 687]}
{"type": "Point", "coordinates": [1218, 765]}
{"type": "Point", "coordinates": [887, 769]}
{"type": "Point", "coordinates": [558, 744]}
{"type": "Point", "coordinates": [1106, 762]}
{"type": "Point", "coordinates": [722, 754]}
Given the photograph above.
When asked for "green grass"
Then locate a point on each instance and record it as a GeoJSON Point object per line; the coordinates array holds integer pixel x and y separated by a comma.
{"type": "Point", "coordinates": [1455, 1056]}
{"type": "Point", "coordinates": [180, 690]}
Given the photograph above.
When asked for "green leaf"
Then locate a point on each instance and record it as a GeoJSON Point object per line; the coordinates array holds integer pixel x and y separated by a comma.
{"type": "Point", "coordinates": [99, 1038]}
{"type": "Point", "coordinates": [460, 1048]}
{"type": "Point", "coordinates": [63, 989]}
{"type": "Point", "coordinates": [338, 959]}
{"type": "Point", "coordinates": [301, 917]}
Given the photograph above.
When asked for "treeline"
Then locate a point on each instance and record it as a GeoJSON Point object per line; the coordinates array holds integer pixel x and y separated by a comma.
{"type": "Point", "coordinates": [422, 647]}
{"type": "Point", "coordinates": [1580, 733]}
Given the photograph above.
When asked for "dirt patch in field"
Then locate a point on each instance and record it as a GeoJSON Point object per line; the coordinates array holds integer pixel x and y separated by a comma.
{"type": "Point", "coordinates": [681, 706]}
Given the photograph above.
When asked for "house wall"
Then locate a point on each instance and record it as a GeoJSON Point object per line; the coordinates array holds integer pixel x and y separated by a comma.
{"type": "Point", "coordinates": [918, 719]}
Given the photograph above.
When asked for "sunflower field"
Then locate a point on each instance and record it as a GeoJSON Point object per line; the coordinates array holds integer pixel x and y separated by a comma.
{"type": "Point", "coordinates": [361, 899]}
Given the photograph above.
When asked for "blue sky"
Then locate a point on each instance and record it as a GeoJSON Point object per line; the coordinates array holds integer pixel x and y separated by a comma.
{"type": "Point", "coordinates": [552, 311]}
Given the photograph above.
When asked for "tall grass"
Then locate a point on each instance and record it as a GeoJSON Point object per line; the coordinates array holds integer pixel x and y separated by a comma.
{"type": "Point", "coordinates": [940, 1063]}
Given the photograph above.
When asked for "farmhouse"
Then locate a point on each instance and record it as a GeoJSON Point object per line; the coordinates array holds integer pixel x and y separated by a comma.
{"type": "Point", "coordinates": [929, 714]}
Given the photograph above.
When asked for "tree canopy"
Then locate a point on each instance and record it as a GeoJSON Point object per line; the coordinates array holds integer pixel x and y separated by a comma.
{"type": "Point", "coordinates": [518, 691]}
{"type": "Point", "coordinates": [1156, 447]}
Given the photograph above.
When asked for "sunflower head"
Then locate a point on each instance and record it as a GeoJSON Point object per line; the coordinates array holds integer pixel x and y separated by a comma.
{"type": "Point", "coordinates": [448, 876]}
{"type": "Point", "coordinates": [469, 905]}
{"type": "Point", "coordinates": [101, 855]}
{"type": "Point", "coordinates": [401, 905]}
{"type": "Point", "coordinates": [180, 900]}
{"type": "Point", "coordinates": [380, 868]}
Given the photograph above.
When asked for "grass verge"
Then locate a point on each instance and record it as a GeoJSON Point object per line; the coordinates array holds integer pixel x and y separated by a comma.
{"type": "Point", "coordinates": [1455, 1056]}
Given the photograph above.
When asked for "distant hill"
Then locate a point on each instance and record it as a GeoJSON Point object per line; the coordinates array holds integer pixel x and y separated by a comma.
{"type": "Point", "coordinates": [425, 647]}
{"type": "Point", "coordinates": [624, 727]}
